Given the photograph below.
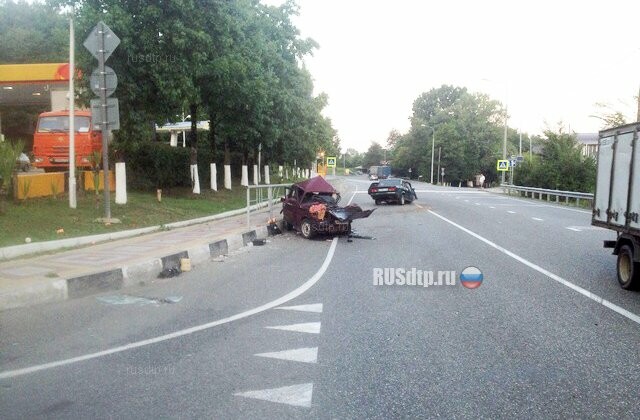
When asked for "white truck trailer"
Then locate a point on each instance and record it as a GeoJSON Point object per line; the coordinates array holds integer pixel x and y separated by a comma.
{"type": "Point", "coordinates": [616, 204]}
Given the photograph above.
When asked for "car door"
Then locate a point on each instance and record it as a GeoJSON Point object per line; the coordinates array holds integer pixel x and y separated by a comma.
{"type": "Point", "coordinates": [411, 193]}
{"type": "Point", "coordinates": [290, 206]}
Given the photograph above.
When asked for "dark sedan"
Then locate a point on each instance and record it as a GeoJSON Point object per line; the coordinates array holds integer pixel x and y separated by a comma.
{"type": "Point", "coordinates": [392, 190]}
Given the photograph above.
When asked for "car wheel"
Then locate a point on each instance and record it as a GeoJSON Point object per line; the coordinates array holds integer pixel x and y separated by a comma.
{"type": "Point", "coordinates": [402, 200]}
{"type": "Point", "coordinates": [287, 225]}
{"type": "Point", "coordinates": [378, 202]}
{"type": "Point", "coordinates": [628, 271]}
{"type": "Point", "coordinates": [306, 229]}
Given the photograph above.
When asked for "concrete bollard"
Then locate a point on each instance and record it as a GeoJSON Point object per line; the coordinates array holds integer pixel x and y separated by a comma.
{"type": "Point", "coordinates": [195, 179]}
{"type": "Point", "coordinates": [227, 177]}
{"type": "Point", "coordinates": [121, 183]}
{"type": "Point", "coordinates": [244, 181]}
{"type": "Point", "coordinates": [214, 177]}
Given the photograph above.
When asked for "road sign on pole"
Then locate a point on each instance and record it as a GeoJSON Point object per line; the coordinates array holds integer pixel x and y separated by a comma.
{"type": "Point", "coordinates": [503, 165]}
{"type": "Point", "coordinates": [101, 42]}
{"type": "Point", "coordinates": [110, 79]}
{"type": "Point", "coordinates": [331, 161]}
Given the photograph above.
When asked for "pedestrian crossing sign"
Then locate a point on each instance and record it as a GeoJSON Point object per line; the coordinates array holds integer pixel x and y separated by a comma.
{"type": "Point", "coordinates": [503, 165]}
{"type": "Point", "coordinates": [331, 162]}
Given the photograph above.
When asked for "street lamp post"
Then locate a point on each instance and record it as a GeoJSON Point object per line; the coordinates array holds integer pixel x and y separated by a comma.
{"type": "Point", "coordinates": [506, 120]}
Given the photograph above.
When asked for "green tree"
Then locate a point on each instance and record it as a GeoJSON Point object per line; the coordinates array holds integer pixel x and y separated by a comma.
{"type": "Point", "coordinates": [373, 156]}
{"type": "Point", "coordinates": [32, 32]}
{"type": "Point", "coordinates": [468, 132]}
{"type": "Point", "coordinates": [560, 166]}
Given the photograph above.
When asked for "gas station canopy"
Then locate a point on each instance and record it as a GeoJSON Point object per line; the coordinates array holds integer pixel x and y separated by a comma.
{"type": "Point", "coordinates": [31, 84]}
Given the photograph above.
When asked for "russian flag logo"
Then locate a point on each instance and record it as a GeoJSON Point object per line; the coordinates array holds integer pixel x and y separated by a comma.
{"type": "Point", "coordinates": [471, 277]}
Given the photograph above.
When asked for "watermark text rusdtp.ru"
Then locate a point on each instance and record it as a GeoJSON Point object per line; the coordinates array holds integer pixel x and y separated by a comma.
{"type": "Point", "coordinates": [151, 58]}
{"type": "Point", "coordinates": [412, 277]}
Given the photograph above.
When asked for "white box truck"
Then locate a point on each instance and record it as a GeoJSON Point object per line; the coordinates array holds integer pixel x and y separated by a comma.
{"type": "Point", "coordinates": [616, 204]}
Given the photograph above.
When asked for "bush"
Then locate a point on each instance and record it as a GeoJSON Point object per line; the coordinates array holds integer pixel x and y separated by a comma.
{"type": "Point", "coordinates": [9, 153]}
{"type": "Point", "coordinates": [152, 165]}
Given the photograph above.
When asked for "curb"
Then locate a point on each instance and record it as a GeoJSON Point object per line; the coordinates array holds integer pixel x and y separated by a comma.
{"type": "Point", "coordinates": [138, 273]}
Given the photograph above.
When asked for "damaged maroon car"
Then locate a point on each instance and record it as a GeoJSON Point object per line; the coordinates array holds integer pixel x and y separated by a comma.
{"type": "Point", "coordinates": [311, 207]}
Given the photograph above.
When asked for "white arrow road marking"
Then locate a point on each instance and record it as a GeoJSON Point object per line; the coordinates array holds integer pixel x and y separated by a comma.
{"type": "Point", "coordinates": [313, 307]}
{"type": "Point", "coordinates": [305, 355]}
{"type": "Point", "coordinates": [306, 327]}
{"type": "Point", "coordinates": [298, 395]}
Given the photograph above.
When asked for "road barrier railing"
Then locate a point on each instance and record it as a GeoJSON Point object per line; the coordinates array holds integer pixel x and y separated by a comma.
{"type": "Point", "coordinates": [548, 194]}
{"type": "Point", "coordinates": [260, 196]}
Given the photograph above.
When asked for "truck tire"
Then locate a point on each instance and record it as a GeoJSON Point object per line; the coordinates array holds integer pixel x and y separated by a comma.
{"type": "Point", "coordinates": [306, 229]}
{"type": "Point", "coordinates": [628, 271]}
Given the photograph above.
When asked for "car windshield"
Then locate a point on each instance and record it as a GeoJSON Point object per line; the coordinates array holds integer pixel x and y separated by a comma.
{"type": "Point", "coordinates": [60, 123]}
{"type": "Point", "coordinates": [390, 182]}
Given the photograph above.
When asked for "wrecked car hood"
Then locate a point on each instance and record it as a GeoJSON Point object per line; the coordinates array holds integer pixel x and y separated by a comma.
{"type": "Point", "coordinates": [349, 213]}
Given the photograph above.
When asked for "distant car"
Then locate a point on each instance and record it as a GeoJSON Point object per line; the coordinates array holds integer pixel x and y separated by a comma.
{"type": "Point", "coordinates": [373, 173]}
{"type": "Point", "coordinates": [384, 172]}
{"type": "Point", "coordinates": [392, 190]}
{"type": "Point", "coordinates": [311, 207]}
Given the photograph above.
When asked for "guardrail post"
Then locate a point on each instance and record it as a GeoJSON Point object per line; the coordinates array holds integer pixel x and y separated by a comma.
{"type": "Point", "coordinates": [577, 202]}
{"type": "Point", "coordinates": [270, 198]}
{"type": "Point", "coordinates": [566, 200]}
{"type": "Point", "coordinates": [248, 208]}
{"type": "Point", "coordinates": [548, 197]}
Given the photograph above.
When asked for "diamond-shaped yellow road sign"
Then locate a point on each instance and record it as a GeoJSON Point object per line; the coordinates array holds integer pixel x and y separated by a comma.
{"type": "Point", "coordinates": [503, 165]}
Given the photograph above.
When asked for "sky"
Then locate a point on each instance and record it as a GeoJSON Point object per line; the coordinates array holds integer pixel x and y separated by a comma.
{"type": "Point", "coordinates": [550, 61]}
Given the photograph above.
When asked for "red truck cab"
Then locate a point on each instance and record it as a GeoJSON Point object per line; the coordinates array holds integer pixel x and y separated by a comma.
{"type": "Point", "coordinates": [51, 140]}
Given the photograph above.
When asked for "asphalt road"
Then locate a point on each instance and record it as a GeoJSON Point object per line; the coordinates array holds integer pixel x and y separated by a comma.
{"type": "Point", "coordinates": [297, 328]}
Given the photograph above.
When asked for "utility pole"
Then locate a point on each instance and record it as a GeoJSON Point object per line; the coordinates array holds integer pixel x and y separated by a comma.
{"type": "Point", "coordinates": [72, 117]}
{"type": "Point", "coordinates": [638, 116]}
{"type": "Point", "coordinates": [439, 149]}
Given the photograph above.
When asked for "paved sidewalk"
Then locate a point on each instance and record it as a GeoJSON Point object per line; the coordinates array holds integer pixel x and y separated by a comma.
{"type": "Point", "coordinates": [120, 263]}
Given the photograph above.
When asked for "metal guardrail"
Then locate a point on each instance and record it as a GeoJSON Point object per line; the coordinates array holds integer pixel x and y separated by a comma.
{"type": "Point", "coordinates": [508, 188]}
{"type": "Point", "coordinates": [258, 199]}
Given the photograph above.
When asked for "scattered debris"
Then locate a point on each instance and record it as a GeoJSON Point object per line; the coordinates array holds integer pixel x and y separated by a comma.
{"type": "Point", "coordinates": [139, 300]}
{"type": "Point", "coordinates": [60, 231]}
{"type": "Point", "coordinates": [355, 235]}
{"type": "Point", "coordinates": [259, 242]}
{"type": "Point", "coordinates": [169, 272]}
{"type": "Point", "coordinates": [219, 258]}
{"type": "Point", "coordinates": [185, 264]}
